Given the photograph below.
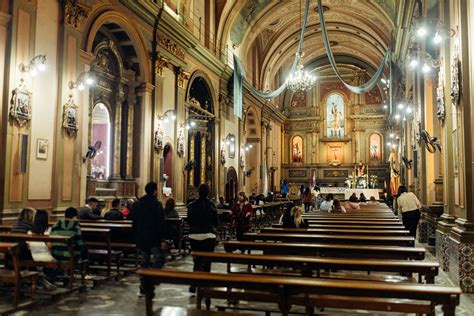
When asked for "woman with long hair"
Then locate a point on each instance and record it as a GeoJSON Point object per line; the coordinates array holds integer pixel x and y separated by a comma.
{"type": "Point", "coordinates": [242, 213]}
{"type": "Point", "coordinates": [409, 205]}
{"type": "Point", "coordinates": [307, 198]}
{"type": "Point", "coordinates": [296, 219]}
{"type": "Point", "coordinates": [327, 203]}
{"type": "Point", "coordinates": [337, 207]}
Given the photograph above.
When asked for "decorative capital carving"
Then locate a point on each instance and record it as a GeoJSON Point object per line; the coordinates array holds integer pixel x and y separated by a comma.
{"type": "Point", "coordinates": [74, 13]}
{"type": "Point", "coordinates": [172, 47]}
{"type": "Point", "coordinates": [161, 64]}
{"type": "Point", "coordinates": [183, 78]}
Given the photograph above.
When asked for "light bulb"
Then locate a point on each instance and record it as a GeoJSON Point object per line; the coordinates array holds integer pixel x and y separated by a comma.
{"type": "Point", "coordinates": [187, 126]}
{"type": "Point", "coordinates": [250, 146]}
{"type": "Point", "coordinates": [392, 135]}
{"type": "Point", "coordinates": [397, 116]}
{"type": "Point", "coordinates": [193, 123]}
{"type": "Point", "coordinates": [41, 67]}
{"type": "Point", "coordinates": [173, 117]}
{"type": "Point", "coordinates": [404, 118]}
{"type": "Point", "coordinates": [409, 110]}
{"type": "Point", "coordinates": [246, 149]}
{"type": "Point", "coordinates": [421, 32]}
{"type": "Point", "coordinates": [426, 68]}
{"type": "Point", "coordinates": [89, 81]}
{"type": "Point", "coordinates": [389, 144]}
{"type": "Point", "coordinates": [437, 38]}
{"type": "Point", "coordinates": [413, 63]}
{"type": "Point", "coordinates": [34, 72]}
{"type": "Point", "coordinates": [385, 106]}
{"type": "Point", "coordinates": [166, 120]}
{"type": "Point", "coordinates": [80, 86]}
{"type": "Point", "coordinates": [232, 139]}
{"type": "Point", "coordinates": [383, 81]}
{"type": "Point", "coordinates": [401, 105]}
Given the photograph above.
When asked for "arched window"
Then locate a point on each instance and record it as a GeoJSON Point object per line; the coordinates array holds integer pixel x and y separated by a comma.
{"type": "Point", "coordinates": [297, 149]}
{"type": "Point", "coordinates": [335, 115]}
{"type": "Point", "coordinates": [101, 133]}
{"type": "Point", "coordinates": [168, 164]}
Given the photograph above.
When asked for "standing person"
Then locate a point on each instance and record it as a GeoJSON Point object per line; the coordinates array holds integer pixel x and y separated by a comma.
{"type": "Point", "coordinates": [317, 188]}
{"type": "Point", "coordinates": [114, 214]}
{"type": "Point", "coordinates": [284, 189]}
{"type": "Point", "coordinates": [242, 212]}
{"type": "Point", "coordinates": [337, 207]}
{"type": "Point", "coordinates": [307, 197]}
{"type": "Point", "coordinates": [409, 205]}
{"type": "Point", "coordinates": [148, 227]}
{"type": "Point", "coordinates": [90, 211]}
{"type": "Point", "coordinates": [327, 203]}
{"type": "Point", "coordinates": [301, 190]}
{"type": "Point", "coordinates": [202, 219]}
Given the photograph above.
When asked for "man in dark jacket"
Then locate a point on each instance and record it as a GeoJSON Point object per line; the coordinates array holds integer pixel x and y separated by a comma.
{"type": "Point", "coordinates": [114, 213]}
{"type": "Point", "coordinates": [90, 210]}
{"type": "Point", "coordinates": [148, 223]}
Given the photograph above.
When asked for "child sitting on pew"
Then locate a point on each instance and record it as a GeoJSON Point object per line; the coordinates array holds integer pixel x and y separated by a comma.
{"type": "Point", "coordinates": [296, 219]}
{"type": "Point", "coordinates": [68, 227]}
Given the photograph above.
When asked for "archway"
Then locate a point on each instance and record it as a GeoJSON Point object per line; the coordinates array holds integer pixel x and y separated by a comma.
{"type": "Point", "coordinates": [231, 185]}
{"type": "Point", "coordinates": [252, 152]}
{"type": "Point", "coordinates": [168, 165]}
{"type": "Point", "coordinates": [101, 129]}
{"type": "Point", "coordinates": [201, 136]}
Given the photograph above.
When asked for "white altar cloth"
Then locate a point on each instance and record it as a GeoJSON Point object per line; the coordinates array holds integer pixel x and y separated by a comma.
{"type": "Point", "coordinates": [348, 192]}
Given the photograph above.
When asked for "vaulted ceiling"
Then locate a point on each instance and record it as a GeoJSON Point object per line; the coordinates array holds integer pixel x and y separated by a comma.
{"type": "Point", "coordinates": [359, 31]}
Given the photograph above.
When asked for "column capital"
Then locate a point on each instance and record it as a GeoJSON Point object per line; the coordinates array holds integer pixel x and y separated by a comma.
{"type": "Point", "coordinates": [4, 19]}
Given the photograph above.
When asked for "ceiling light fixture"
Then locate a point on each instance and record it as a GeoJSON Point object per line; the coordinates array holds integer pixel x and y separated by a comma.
{"type": "Point", "coordinates": [301, 80]}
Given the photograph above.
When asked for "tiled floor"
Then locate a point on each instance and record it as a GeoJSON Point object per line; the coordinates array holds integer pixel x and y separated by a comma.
{"type": "Point", "coordinates": [119, 298]}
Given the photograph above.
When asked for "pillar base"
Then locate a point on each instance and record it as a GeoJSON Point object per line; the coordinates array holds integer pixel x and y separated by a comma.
{"type": "Point", "coordinates": [461, 260]}
{"type": "Point", "coordinates": [443, 231]}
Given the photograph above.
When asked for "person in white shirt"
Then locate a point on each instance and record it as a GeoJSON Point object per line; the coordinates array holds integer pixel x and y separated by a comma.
{"type": "Point", "coordinates": [327, 203]}
{"type": "Point", "coordinates": [409, 205]}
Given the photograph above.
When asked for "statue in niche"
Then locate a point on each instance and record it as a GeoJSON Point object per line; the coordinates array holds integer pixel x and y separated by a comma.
{"type": "Point", "coordinates": [297, 149]}
{"type": "Point", "coordinates": [335, 115]}
{"type": "Point", "coordinates": [375, 144]}
{"type": "Point", "coordinates": [360, 169]}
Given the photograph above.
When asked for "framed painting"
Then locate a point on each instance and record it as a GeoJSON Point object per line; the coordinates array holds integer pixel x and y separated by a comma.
{"type": "Point", "coordinates": [297, 149]}
{"type": "Point", "coordinates": [335, 115]}
{"type": "Point", "coordinates": [42, 146]}
{"type": "Point", "coordinates": [335, 154]}
{"type": "Point", "coordinates": [375, 146]}
{"type": "Point", "coordinates": [20, 105]}
{"type": "Point", "coordinates": [70, 123]}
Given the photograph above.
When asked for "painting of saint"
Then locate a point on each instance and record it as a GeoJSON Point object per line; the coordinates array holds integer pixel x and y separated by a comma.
{"type": "Point", "coordinates": [335, 115]}
{"type": "Point", "coordinates": [375, 142]}
{"type": "Point", "coordinates": [297, 149]}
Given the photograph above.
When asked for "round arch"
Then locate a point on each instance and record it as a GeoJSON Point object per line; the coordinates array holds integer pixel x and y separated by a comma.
{"type": "Point", "coordinates": [376, 154]}
{"type": "Point", "coordinates": [324, 104]}
{"type": "Point", "coordinates": [109, 14]}
{"type": "Point", "coordinates": [207, 80]}
{"type": "Point", "coordinates": [297, 152]}
{"type": "Point", "coordinates": [231, 185]}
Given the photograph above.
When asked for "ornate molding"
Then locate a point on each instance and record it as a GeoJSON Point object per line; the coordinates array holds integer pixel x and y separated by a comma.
{"type": "Point", "coordinates": [172, 47]}
{"type": "Point", "coordinates": [70, 117]}
{"type": "Point", "coordinates": [161, 64]}
{"type": "Point", "coordinates": [183, 78]}
{"type": "Point", "coordinates": [455, 78]}
{"type": "Point", "coordinates": [20, 105]}
{"type": "Point", "coordinates": [440, 99]}
{"type": "Point", "coordinates": [74, 13]}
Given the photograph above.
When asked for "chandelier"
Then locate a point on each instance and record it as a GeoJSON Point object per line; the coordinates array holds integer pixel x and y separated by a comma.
{"type": "Point", "coordinates": [301, 80]}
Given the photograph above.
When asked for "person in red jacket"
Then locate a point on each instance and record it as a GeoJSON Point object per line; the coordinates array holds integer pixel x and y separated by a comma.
{"type": "Point", "coordinates": [242, 213]}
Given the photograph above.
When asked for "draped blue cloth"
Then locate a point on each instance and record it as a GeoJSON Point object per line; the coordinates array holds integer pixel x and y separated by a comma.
{"type": "Point", "coordinates": [356, 89]}
{"type": "Point", "coordinates": [239, 73]}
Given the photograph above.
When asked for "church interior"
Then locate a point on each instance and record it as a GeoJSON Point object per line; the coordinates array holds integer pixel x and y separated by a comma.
{"type": "Point", "coordinates": [243, 157]}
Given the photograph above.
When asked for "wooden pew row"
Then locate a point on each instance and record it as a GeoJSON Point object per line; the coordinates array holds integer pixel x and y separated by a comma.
{"type": "Point", "coordinates": [179, 311]}
{"type": "Point", "coordinates": [308, 266]}
{"type": "Point", "coordinates": [69, 266]}
{"type": "Point", "coordinates": [348, 227]}
{"type": "Point", "coordinates": [354, 222]}
{"type": "Point", "coordinates": [349, 215]}
{"type": "Point", "coordinates": [351, 218]}
{"type": "Point", "coordinates": [337, 231]}
{"type": "Point", "coordinates": [402, 241]}
{"type": "Point", "coordinates": [16, 277]}
{"type": "Point", "coordinates": [328, 250]}
{"type": "Point", "coordinates": [309, 292]}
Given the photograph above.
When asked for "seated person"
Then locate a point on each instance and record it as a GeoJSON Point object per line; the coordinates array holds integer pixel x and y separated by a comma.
{"type": "Point", "coordinates": [170, 211]}
{"type": "Point", "coordinates": [362, 198]}
{"type": "Point", "coordinates": [68, 227]}
{"type": "Point", "coordinates": [327, 203]}
{"type": "Point", "coordinates": [221, 204]}
{"type": "Point", "coordinates": [114, 213]}
{"type": "Point", "coordinates": [353, 198]}
{"type": "Point", "coordinates": [285, 217]}
{"type": "Point", "coordinates": [296, 219]}
{"type": "Point", "coordinates": [90, 211]}
{"type": "Point", "coordinates": [171, 229]}
{"type": "Point", "coordinates": [337, 207]}
{"type": "Point", "coordinates": [128, 210]}
{"type": "Point", "coordinates": [269, 197]}
{"type": "Point", "coordinates": [317, 201]}
{"type": "Point", "coordinates": [373, 201]}
{"type": "Point", "coordinates": [23, 225]}
{"type": "Point", "coordinates": [40, 251]}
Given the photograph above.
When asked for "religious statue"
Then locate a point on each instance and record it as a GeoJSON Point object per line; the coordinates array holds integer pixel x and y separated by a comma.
{"type": "Point", "coordinates": [297, 154]}
{"type": "Point", "coordinates": [336, 121]}
{"type": "Point", "coordinates": [360, 169]}
{"type": "Point", "coordinates": [374, 150]}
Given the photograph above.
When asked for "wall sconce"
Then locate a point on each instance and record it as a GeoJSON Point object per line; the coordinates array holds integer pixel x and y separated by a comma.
{"type": "Point", "coordinates": [247, 147]}
{"type": "Point", "coordinates": [167, 116]}
{"type": "Point", "coordinates": [37, 64]}
{"type": "Point", "coordinates": [85, 79]}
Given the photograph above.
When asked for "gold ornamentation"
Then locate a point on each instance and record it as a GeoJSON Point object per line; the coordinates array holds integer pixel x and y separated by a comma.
{"type": "Point", "coordinates": [180, 141]}
{"type": "Point", "coordinates": [455, 80]}
{"type": "Point", "coordinates": [183, 78]}
{"type": "Point", "coordinates": [172, 47]}
{"type": "Point", "coordinates": [20, 105]}
{"type": "Point", "coordinates": [161, 64]}
{"type": "Point", "coordinates": [440, 98]}
{"type": "Point", "coordinates": [70, 117]}
{"type": "Point", "coordinates": [74, 13]}
{"type": "Point", "coordinates": [158, 142]}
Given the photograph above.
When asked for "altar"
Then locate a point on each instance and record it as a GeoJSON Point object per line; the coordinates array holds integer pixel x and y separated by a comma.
{"type": "Point", "coordinates": [347, 192]}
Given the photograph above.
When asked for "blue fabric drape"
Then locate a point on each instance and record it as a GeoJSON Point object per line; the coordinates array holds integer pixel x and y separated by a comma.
{"type": "Point", "coordinates": [356, 89]}
{"type": "Point", "coordinates": [239, 73]}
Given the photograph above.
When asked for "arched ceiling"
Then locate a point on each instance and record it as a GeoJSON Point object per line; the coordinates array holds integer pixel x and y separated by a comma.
{"type": "Point", "coordinates": [358, 29]}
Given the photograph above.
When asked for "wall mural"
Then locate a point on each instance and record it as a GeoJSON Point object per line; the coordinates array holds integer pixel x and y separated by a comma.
{"type": "Point", "coordinates": [375, 144]}
{"type": "Point", "coordinates": [298, 99]}
{"type": "Point", "coordinates": [297, 149]}
{"type": "Point", "coordinates": [327, 87]}
{"type": "Point", "coordinates": [373, 96]}
{"type": "Point", "coordinates": [335, 115]}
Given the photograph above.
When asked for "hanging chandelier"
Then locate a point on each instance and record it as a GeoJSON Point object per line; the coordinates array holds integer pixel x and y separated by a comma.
{"type": "Point", "coordinates": [301, 80]}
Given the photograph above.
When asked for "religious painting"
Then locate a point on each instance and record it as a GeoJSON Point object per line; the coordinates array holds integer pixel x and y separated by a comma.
{"type": "Point", "coordinates": [375, 145]}
{"type": "Point", "coordinates": [70, 117]}
{"type": "Point", "coordinates": [297, 149]}
{"type": "Point", "coordinates": [335, 154]}
{"type": "Point", "coordinates": [335, 115]}
{"type": "Point", "coordinates": [326, 88]}
{"type": "Point", "coordinates": [373, 96]}
{"type": "Point", "coordinates": [297, 173]}
{"type": "Point", "coordinates": [20, 109]}
{"type": "Point", "coordinates": [298, 99]}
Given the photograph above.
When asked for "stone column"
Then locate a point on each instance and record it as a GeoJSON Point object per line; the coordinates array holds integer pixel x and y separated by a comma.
{"type": "Point", "coordinates": [129, 171]}
{"type": "Point", "coordinates": [117, 128]}
{"type": "Point", "coordinates": [180, 110]}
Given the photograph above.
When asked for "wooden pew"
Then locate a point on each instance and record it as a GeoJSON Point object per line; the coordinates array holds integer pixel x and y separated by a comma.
{"type": "Point", "coordinates": [351, 216]}
{"type": "Point", "coordinates": [348, 227]}
{"type": "Point", "coordinates": [307, 266]}
{"type": "Point", "coordinates": [402, 241]}
{"type": "Point", "coordinates": [70, 265]}
{"type": "Point", "coordinates": [308, 292]}
{"type": "Point", "coordinates": [179, 311]}
{"type": "Point", "coordinates": [16, 277]}
{"type": "Point", "coordinates": [337, 231]}
{"type": "Point", "coordinates": [353, 222]}
{"type": "Point", "coordinates": [328, 250]}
